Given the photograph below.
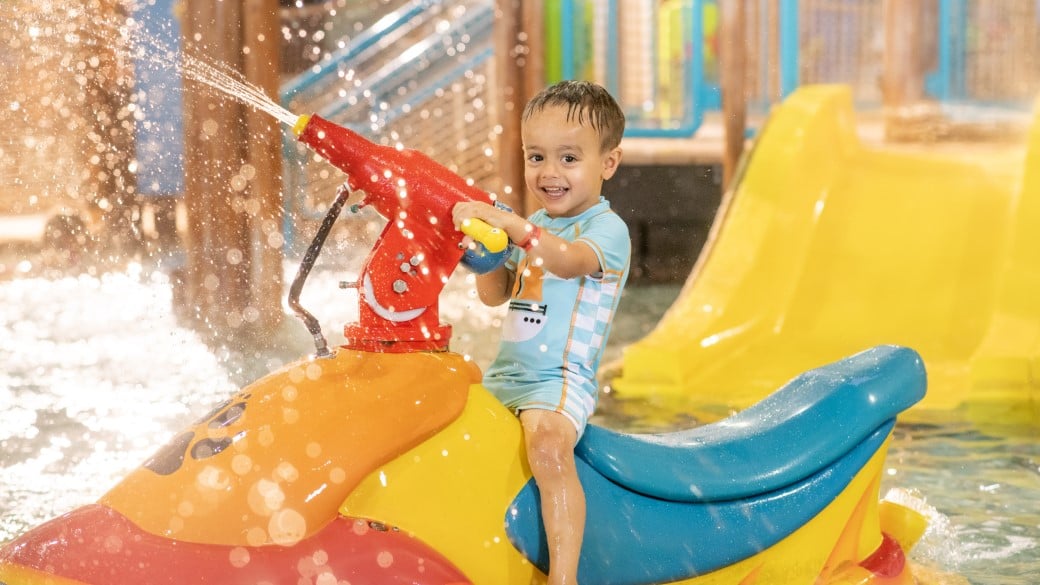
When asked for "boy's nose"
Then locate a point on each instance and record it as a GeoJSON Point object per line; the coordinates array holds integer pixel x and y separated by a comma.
{"type": "Point", "coordinates": [550, 170]}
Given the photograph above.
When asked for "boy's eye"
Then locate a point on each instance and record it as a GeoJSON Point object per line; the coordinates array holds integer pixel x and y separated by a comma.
{"type": "Point", "coordinates": [534, 158]}
{"type": "Point", "coordinates": [569, 158]}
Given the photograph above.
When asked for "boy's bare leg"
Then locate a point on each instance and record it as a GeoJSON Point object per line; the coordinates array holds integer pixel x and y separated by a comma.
{"type": "Point", "coordinates": [550, 437]}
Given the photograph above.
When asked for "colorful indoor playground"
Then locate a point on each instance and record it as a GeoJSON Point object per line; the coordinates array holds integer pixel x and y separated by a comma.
{"type": "Point", "coordinates": [243, 341]}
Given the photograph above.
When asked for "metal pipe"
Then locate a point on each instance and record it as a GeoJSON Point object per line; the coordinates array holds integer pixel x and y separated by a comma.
{"type": "Point", "coordinates": [312, 324]}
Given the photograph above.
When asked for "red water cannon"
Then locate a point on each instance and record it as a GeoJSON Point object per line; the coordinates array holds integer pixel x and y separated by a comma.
{"type": "Point", "coordinates": [416, 252]}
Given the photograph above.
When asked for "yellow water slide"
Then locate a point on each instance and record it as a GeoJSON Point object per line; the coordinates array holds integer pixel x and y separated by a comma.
{"type": "Point", "coordinates": [826, 246]}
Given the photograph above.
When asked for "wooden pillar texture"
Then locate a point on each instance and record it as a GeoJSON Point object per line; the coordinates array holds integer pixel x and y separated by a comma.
{"type": "Point", "coordinates": [732, 58]}
{"type": "Point", "coordinates": [233, 273]}
{"type": "Point", "coordinates": [520, 59]}
{"type": "Point", "coordinates": [903, 78]}
{"type": "Point", "coordinates": [264, 202]}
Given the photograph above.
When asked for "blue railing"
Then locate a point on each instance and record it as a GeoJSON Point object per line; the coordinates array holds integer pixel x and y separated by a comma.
{"type": "Point", "coordinates": [375, 104]}
{"type": "Point", "coordinates": [475, 25]}
{"type": "Point", "coordinates": [319, 76]}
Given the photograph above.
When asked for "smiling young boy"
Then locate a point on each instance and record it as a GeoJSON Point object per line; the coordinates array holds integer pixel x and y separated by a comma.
{"type": "Point", "coordinates": [563, 283]}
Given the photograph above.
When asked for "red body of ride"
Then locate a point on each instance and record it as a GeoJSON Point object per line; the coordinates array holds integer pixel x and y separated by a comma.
{"type": "Point", "coordinates": [414, 255]}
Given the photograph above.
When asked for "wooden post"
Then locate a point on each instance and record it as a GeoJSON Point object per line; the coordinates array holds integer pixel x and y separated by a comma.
{"type": "Point", "coordinates": [732, 58]}
{"type": "Point", "coordinates": [519, 67]}
{"type": "Point", "coordinates": [902, 79]}
{"type": "Point", "coordinates": [217, 270]}
{"type": "Point", "coordinates": [111, 182]}
{"type": "Point", "coordinates": [264, 202]}
{"type": "Point", "coordinates": [774, 61]}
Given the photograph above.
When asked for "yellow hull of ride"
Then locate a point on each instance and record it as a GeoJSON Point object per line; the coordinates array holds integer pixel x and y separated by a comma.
{"type": "Point", "coordinates": [453, 492]}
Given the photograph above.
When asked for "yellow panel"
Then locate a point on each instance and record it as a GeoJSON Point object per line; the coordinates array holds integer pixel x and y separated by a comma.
{"type": "Point", "coordinates": [18, 575]}
{"type": "Point", "coordinates": [827, 247]}
{"type": "Point", "coordinates": [453, 491]}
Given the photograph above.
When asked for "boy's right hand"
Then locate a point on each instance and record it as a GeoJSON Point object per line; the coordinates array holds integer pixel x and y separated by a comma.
{"type": "Point", "coordinates": [492, 238]}
{"type": "Point", "coordinates": [497, 215]}
{"type": "Point", "coordinates": [481, 261]}
{"type": "Point", "coordinates": [482, 254]}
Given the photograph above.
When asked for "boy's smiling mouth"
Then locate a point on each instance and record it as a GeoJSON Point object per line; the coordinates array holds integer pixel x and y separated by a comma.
{"type": "Point", "coordinates": [555, 192]}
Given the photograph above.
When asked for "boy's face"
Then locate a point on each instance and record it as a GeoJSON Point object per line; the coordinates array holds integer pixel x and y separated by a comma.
{"type": "Point", "coordinates": [563, 165]}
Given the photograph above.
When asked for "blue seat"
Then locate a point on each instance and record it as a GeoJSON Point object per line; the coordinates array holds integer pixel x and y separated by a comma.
{"type": "Point", "coordinates": [793, 433]}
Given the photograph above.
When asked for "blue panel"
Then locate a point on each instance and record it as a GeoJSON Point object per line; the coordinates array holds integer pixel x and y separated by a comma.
{"type": "Point", "coordinates": [791, 434]}
{"type": "Point", "coordinates": [631, 539]}
{"type": "Point", "coordinates": [160, 130]}
{"type": "Point", "coordinates": [790, 43]}
{"type": "Point", "coordinates": [567, 54]}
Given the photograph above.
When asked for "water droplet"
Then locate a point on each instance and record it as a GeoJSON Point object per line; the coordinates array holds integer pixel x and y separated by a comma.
{"type": "Point", "coordinates": [320, 557]}
{"type": "Point", "coordinates": [185, 509]}
{"type": "Point", "coordinates": [337, 475]}
{"type": "Point", "coordinates": [113, 544]}
{"type": "Point", "coordinates": [241, 464]}
{"type": "Point", "coordinates": [266, 438]}
{"type": "Point", "coordinates": [287, 527]}
{"type": "Point", "coordinates": [256, 536]}
{"type": "Point", "coordinates": [239, 557]}
{"type": "Point", "coordinates": [313, 371]}
{"type": "Point", "coordinates": [287, 471]}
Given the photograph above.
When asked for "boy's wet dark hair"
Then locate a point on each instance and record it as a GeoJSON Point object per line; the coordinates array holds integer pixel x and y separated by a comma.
{"type": "Point", "coordinates": [586, 102]}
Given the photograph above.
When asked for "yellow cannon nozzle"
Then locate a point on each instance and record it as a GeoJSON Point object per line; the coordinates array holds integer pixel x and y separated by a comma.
{"type": "Point", "coordinates": [300, 124]}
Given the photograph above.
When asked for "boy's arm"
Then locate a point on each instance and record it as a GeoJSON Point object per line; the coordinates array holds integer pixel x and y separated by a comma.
{"type": "Point", "coordinates": [495, 287]}
{"type": "Point", "coordinates": [553, 253]}
{"type": "Point", "coordinates": [562, 258]}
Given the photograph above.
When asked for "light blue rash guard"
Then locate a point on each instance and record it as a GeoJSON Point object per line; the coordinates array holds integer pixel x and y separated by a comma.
{"type": "Point", "coordinates": [555, 331]}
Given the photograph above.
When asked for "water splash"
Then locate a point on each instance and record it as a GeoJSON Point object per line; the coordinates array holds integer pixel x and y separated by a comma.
{"type": "Point", "coordinates": [231, 83]}
{"type": "Point", "coordinates": [125, 37]}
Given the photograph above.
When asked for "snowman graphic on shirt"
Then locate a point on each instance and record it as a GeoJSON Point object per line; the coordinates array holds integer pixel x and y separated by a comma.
{"type": "Point", "coordinates": [527, 310]}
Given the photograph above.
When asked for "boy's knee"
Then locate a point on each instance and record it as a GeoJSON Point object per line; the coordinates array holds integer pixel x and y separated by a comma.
{"type": "Point", "coordinates": [549, 438]}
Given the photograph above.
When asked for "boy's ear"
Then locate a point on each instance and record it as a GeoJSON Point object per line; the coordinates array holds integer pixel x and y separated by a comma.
{"type": "Point", "coordinates": [611, 162]}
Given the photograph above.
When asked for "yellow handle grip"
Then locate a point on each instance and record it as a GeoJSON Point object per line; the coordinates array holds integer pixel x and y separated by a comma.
{"type": "Point", "coordinates": [494, 239]}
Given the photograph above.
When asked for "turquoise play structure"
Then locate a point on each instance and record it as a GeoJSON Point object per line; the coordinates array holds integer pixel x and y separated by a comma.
{"type": "Point", "coordinates": [977, 57]}
{"type": "Point", "coordinates": [663, 63]}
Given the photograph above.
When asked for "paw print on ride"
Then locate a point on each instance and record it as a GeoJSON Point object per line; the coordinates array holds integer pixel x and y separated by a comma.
{"type": "Point", "coordinates": [170, 457]}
